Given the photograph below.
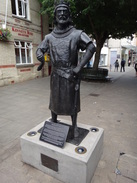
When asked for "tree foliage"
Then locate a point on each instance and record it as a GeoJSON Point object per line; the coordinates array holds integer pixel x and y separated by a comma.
{"type": "Point", "coordinates": [100, 18]}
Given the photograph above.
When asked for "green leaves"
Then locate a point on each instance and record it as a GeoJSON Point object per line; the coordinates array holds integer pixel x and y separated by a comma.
{"type": "Point", "coordinates": [101, 18]}
{"type": "Point", "coordinates": [118, 17]}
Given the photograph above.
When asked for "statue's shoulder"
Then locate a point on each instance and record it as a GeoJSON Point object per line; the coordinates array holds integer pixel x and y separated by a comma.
{"type": "Point", "coordinates": [77, 32]}
{"type": "Point", "coordinates": [47, 36]}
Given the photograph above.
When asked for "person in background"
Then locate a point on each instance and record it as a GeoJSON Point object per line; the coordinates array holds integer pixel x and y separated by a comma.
{"type": "Point", "coordinates": [110, 67]}
{"type": "Point", "coordinates": [122, 65]}
{"type": "Point", "coordinates": [135, 66]}
{"type": "Point", "coordinates": [116, 65]}
{"type": "Point", "coordinates": [129, 63]}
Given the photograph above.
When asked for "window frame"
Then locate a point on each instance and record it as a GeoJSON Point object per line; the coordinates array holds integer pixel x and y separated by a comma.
{"type": "Point", "coordinates": [21, 52]}
{"type": "Point", "coordinates": [22, 10]}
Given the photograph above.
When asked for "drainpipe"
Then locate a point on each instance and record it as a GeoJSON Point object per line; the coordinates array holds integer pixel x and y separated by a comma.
{"type": "Point", "coordinates": [41, 28]}
{"type": "Point", "coordinates": [42, 40]}
{"type": "Point", "coordinates": [4, 25]}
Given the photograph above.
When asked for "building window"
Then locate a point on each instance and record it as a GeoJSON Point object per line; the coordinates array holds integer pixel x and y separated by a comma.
{"type": "Point", "coordinates": [23, 52]}
{"type": "Point", "coordinates": [20, 8]}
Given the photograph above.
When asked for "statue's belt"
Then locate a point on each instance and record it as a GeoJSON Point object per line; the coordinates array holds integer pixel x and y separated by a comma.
{"type": "Point", "coordinates": [66, 73]}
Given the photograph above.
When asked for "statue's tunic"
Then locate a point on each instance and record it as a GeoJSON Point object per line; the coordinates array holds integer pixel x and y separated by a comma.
{"type": "Point", "coordinates": [63, 47]}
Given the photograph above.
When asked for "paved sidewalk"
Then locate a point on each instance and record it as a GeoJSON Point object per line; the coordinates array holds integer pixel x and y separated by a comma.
{"type": "Point", "coordinates": [109, 105]}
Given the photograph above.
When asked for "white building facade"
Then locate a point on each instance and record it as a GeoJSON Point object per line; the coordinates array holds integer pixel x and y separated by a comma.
{"type": "Point", "coordinates": [116, 49]}
{"type": "Point", "coordinates": [124, 48]}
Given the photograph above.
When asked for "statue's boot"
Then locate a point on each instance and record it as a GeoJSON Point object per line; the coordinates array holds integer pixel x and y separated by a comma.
{"type": "Point", "coordinates": [53, 117]}
{"type": "Point", "coordinates": [75, 131]}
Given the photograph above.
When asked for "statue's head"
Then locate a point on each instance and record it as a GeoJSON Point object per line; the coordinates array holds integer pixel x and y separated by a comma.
{"type": "Point", "coordinates": [62, 13]}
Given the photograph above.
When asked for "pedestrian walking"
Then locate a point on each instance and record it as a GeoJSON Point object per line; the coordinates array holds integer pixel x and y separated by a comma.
{"type": "Point", "coordinates": [116, 65]}
{"type": "Point", "coordinates": [110, 67]}
{"type": "Point", "coordinates": [122, 65]}
{"type": "Point", "coordinates": [129, 63]}
{"type": "Point", "coordinates": [135, 66]}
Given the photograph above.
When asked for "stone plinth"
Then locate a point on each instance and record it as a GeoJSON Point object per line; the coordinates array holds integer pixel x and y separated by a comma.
{"type": "Point", "coordinates": [64, 164]}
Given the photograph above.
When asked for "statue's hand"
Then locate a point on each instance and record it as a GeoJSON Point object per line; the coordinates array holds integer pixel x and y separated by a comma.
{"type": "Point", "coordinates": [40, 66]}
{"type": "Point", "coordinates": [76, 70]}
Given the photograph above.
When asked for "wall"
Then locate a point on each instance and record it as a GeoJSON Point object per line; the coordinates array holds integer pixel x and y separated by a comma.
{"type": "Point", "coordinates": [23, 30]}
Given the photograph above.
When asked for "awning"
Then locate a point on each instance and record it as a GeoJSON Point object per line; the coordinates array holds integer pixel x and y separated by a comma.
{"type": "Point", "coordinates": [130, 47]}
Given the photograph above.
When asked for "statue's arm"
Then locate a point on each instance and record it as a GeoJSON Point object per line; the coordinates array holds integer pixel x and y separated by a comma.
{"type": "Point", "coordinates": [90, 50]}
{"type": "Point", "coordinates": [88, 55]}
{"type": "Point", "coordinates": [41, 50]}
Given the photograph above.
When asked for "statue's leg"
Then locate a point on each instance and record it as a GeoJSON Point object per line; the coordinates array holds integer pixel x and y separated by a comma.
{"type": "Point", "coordinates": [75, 132]}
{"type": "Point", "coordinates": [53, 117]}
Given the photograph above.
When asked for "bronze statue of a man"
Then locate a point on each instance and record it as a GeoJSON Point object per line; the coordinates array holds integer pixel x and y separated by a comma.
{"type": "Point", "coordinates": [63, 45]}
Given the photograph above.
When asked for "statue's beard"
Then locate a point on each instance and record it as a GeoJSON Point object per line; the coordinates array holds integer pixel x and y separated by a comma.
{"type": "Point", "coordinates": [62, 20]}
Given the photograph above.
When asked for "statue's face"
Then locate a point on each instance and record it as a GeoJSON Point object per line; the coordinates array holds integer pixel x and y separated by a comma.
{"type": "Point", "coordinates": [62, 15]}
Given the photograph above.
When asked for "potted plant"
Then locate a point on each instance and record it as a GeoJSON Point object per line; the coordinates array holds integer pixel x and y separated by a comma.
{"type": "Point", "coordinates": [5, 34]}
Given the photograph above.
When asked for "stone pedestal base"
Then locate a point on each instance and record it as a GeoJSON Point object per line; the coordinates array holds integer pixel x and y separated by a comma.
{"type": "Point", "coordinates": [70, 164]}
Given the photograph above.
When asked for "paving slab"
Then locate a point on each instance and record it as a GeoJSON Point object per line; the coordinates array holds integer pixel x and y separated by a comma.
{"type": "Point", "coordinates": [127, 168]}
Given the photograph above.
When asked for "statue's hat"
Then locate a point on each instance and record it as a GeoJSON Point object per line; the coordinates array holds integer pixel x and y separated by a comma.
{"type": "Point", "coordinates": [59, 3]}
